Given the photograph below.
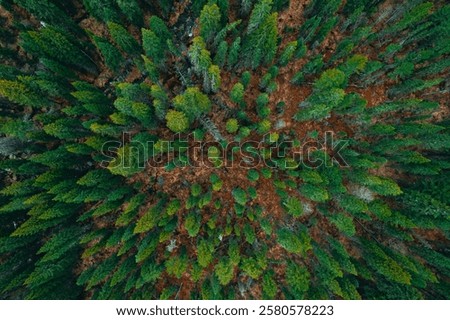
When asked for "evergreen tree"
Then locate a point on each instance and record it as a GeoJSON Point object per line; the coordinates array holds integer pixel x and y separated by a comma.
{"type": "Point", "coordinates": [294, 206]}
{"type": "Point", "coordinates": [221, 55]}
{"type": "Point", "coordinates": [103, 11]}
{"type": "Point", "coordinates": [193, 103]}
{"type": "Point", "coordinates": [123, 39]}
{"type": "Point", "coordinates": [17, 92]}
{"type": "Point", "coordinates": [288, 53]}
{"type": "Point", "coordinates": [65, 129]}
{"type": "Point", "coordinates": [233, 55]}
{"type": "Point", "coordinates": [153, 46]}
{"type": "Point", "coordinates": [212, 81]}
{"type": "Point", "coordinates": [160, 102]}
{"type": "Point", "coordinates": [131, 10]}
{"type": "Point", "coordinates": [52, 43]}
{"type": "Point", "coordinates": [48, 12]}
{"type": "Point", "coordinates": [232, 126]}
{"type": "Point", "coordinates": [260, 11]}
{"type": "Point", "coordinates": [177, 265]}
{"type": "Point", "coordinates": [385, 265]}
{"type": "Point", "coordinates": [160, 28]}
{"type": "Point", "coordinates": [192, 224]}
{"type": "Point", "coordinates": [209, 21]}
{"type": "Point", "coordinates": [205, 251]}
{"type": "Point", "coordinates": [224, 271]}
{"type": "Point", "coordinates": [177, 121]}
{"type": "Point", "coordinates": [261, 43]}
{"type": "Point", "coordinates": [246, 78]}
{"type": "Point", "coordinates": [237, 93]}
{"type": "Point", "coordinates": [297, 278]}
{"type": "Point", "coordinates": [113, 58]}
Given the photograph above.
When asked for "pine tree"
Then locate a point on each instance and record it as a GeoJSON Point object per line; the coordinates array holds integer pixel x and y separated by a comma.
{"type": "Point", "coordinates": [105, 11]}
{"type": "Point", "coordinates": [158, 26]}
{"type": "Point", "coordinates": [314, 193]}
{"type": "Point", "coordinates": [195, 52]}
{"type": "Point", "coordinates": [17, 92]}
{"type": "Point", "coordinates": [173, 207]}
{"type": "Point", "coordinates": [160, 102]}
{"type": "Point", "coordinates": [261, 44]}
{"type": "Point", "coordinates": [150, 69]}
{"type": "Point", "coordinates": [153, 46]}
{"type": "Point", "coordinates": [143, 113]}
{"type": "Point", "coordinates": [147, 221]}
{"type": "Point", "coordinates": [52, 43]}
{"type": "Point", "coordinates": [323, 32]}
{"type": "Point", "coordinates": [246, 6]}
{"type": "Point", "coordinates": [262, 105]}
{"type": "Point", "coordinates": [252, 267]}
{"type": "Point", "coordinates": [221, 54]}
{"type": "Point", "coordinates": [123, 39]}
{"type": "Point", "coordinates": [354, 64]}
{"type": "Point", "coordinates": [294, 206]}
{"type": "Point", "coordinates": [269, 286]}
{"type": "Point", "coordinates": [222, 34]}
{"type": "Point", "coordinates": [240, 196]}
{"type": "Point", "coordinates": [66, 129]}
{"type": "Point", "coordinates": [177, 265]}
{"type": "Point", "coordinates": [232, 126]}
{"type": "Point", "coordinates": [288, 53]}
{"type": "Point", "coordinates": [237, 93]}
{"type": "Point", "coordinates": [192, 224]}
{"type": "Point", "coordinates": [193, 103]}
{"type": "Point", "coordinates": [331, 78]}
{"type": "Point", "coordinates": [131, 10]}
{"type": "Point", "coordinates": [209, 21]}
{"type": "Point", "coordinates": [151, 272]}
{"type": "Point", "coordinates": [213, 80]}
{"type": "Point", "coordinates": [224, 271]}
{"type": "Point", "coordinates": [48, 12]}
{"type": "Point", "coordinates": [298, 279]}
{"type": "Point", "coordinates": [246, 78]}
{"type": "Point", "coordinates": [264, 126]}
{"type": "Point", "coordinates": [205, 251]}
{"type": "Point", "coordinates": [344, 223]}
{"type": "Point", "coordinates": [60, 244]}
{"type": "Point", "coordinates": [177, 121]}
{"type": "Point", "coordinates": [385, 265]}
{"type": "Point", "coordinates": [289, 241]}
{"type": "Point", "coordinates": [260, 11]}
{"type": "Point", "coordinates": [113, 58]}
{"type": "Point", "coordinates": [138, 110]}
{"type": "Point", "coordinates": [415, 15]}
{"type": "Point", "coordinates": [234, 52]}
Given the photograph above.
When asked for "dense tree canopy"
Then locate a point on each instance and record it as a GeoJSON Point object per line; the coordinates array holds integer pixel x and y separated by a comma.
{"type": "Point", "coordinates": [265, 149]}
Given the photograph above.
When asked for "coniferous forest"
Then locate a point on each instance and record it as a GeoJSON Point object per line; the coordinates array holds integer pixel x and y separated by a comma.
{"type": "Point", "coordinates": [323, 166]}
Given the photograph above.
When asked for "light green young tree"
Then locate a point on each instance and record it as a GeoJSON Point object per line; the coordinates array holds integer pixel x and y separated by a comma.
{"type": "Point", "coordinates": [209, 21]}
